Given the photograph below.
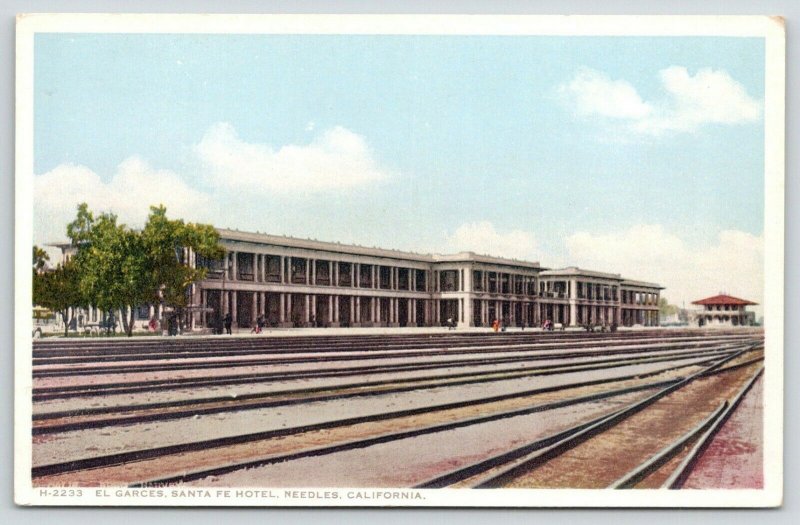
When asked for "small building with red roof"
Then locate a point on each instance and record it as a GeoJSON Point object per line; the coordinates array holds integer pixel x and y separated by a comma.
{"type": "Point", "coordinates": [724, 310]}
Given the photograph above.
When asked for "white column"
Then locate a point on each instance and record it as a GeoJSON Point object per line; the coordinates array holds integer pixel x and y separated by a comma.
{"type": "Point", "coordinates": [234, 307]}
{"type": "Point", "coordinates": [336, 309]}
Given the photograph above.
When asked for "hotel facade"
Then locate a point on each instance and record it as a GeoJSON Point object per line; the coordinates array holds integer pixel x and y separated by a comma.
{"type": "Point", "coordinates": [302, 283]}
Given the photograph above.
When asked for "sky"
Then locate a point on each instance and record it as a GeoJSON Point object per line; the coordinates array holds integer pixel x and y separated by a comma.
{"type": "Point", "coordinates": [636, 155]}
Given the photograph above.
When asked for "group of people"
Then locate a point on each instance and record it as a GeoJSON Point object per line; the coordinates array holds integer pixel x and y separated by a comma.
{"type": "Point", "coordinates": [169, 324]}
{"type": "Point", "coordinates": [225, 323]}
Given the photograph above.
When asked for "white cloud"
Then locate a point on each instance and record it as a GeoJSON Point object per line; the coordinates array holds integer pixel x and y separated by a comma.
{"type": "Point", "coordinates": [595, 93]}
{"type": "Point", "coordinates": [483, 238]}
{"type": "Point", "coordinates": [134, 187]}
{"type": "Point", "coordinates": [709, 97]}
{"type": "Point", "coordinates": [336, 159]}
{"type": "Point", "coordinates": [732, 264]}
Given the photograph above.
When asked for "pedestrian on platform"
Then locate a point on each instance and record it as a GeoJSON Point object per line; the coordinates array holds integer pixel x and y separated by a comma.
{"type": "Point", "coordinates": [228, 323]}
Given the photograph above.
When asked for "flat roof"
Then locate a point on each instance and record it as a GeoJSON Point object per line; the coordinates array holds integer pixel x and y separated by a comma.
{"type": "Point", "coordinates": [575, 271]}
{"type": "Point", "coordinates": [643, 284]}
{"type": "Point", "coordinates": [313, 244]}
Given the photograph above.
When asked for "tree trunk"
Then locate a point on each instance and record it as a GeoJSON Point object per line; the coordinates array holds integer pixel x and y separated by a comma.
{"type": "Point", "coordinates": [64, 314]}
{"type": "Point", "coordinates": [129, 321]}
{"type": "Point", "coordinates": [123, 312]}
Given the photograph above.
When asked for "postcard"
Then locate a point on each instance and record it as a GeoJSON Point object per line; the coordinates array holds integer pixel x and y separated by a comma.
{"type": "Point", "coordinates": [399, 260]}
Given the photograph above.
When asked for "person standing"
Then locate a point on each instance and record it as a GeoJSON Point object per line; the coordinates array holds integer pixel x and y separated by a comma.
{"type": "Point", "coordinates": [228, 323]}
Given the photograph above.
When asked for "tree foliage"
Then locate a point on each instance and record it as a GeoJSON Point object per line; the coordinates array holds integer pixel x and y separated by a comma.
{"type": "Point", "coordinates": [665, 309]}
{"type": "Point", "coordinates": [121, 268]}
{"type": "Point", "coordinates": [166, 243]}
{"type": "Point", "coordinates": [59, 290]}
{"type": "Point", "coordinates": [113, 264]}
{"type": "Point", "coordinates": [40, 259]}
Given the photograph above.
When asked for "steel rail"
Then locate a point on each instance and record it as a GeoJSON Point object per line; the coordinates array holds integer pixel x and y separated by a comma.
{"type": "Point", "coordinates": [394, 436]}
{"type": "Point", "coordinates": [155, 452]}
{"type": "Point", "coordinates": [517, 354]}
{"type": "Point", "coordinates": [155, 352]}
{"type": "Point", "coordinates": [237, 404]}
{"type": "Point", "coordinates": [313, 340]}
{"type": "Point", "coordinates": [682, 471]}
{"type": "Point", "coordinates": [503, 373]}
{"type": "Point", "coordinates": [518, 461]}
{"type": "Point", "coordinates": [652, 464]}
{"type": "Point", "coordinates": [62, 392]}
{"type": "Point", "coordinates": [280, 357]}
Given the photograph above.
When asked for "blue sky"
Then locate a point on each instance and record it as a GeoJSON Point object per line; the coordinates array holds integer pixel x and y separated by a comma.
{"type": "Point", "coordinates": [547, 148]}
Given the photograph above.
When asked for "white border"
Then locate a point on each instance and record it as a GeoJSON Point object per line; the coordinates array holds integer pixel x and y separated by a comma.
{"type": "Point", "coordinates": [770, 28]}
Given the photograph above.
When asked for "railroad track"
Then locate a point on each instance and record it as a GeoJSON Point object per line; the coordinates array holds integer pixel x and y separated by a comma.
{"type": "Point", "coordinates": [59, 421]}
{"type": "Point", "coordinates": [271, 361]}
{"type": "Point", "coordinates": [669, 368]}
{"type": "Point", "coordinates": [502, 469]}
{"type": "Point", "coordinates": [165, 454]}
{"type": "Point", "coordinates": [135, 349]}
{"type": "Point", "coordinates": [72, 390]}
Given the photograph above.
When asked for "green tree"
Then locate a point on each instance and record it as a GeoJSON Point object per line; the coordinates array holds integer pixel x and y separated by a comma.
{"type": "Point", "coordinates": [59, 290]}
{"type": "Point", "coordinates": [166, 242]}
{"type": "Point", "coordinates": [122, 268]}
{"type": "Point", "coordinates": [113, 263]}
{"type": "Point", "coordinates": [665, 309]}
{"type": "Point", "coordinates": [40, 259]}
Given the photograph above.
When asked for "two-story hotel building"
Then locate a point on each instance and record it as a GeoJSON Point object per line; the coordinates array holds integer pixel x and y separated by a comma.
{"type": "Point", "coordinates": [298, 282]}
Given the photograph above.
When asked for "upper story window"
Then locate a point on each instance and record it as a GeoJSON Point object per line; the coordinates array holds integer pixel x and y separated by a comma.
{"type": "Point", "coordinates": [244, 266]}
{"type": "Point", "coordinates": [420, 280]}
{"type": "Point", "coordinates": [477, 281]}
{"type": "Point", "coordinates": [493, 282]}
{"type": "Point", "coordinates": [273, 269]}
{"type": "Point", "coordinates": [298, 271]}
{"type": "Point", "coordinates": [365, 276]}
{"type": "Point", "coordinates": [404, 279]}
{"type": "Point", "coordinates": [322, 273]}
{"type": "Point", "coordinates": [384, 277]}
{"type": "Point", "coordinates": [345, 274]}
{"type": "Point", "coordinates": [214, 267]}
{"type": "Point", "coordinates": [518, 285]}
{"type": "Point", "coordinates": [448, 281]}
